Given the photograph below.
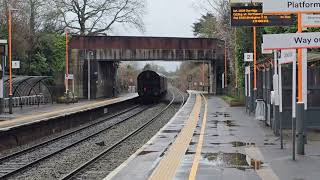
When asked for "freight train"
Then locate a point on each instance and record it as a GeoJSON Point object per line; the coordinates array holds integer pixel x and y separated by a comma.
{"type": "Point", "coordinates": [151, 85]}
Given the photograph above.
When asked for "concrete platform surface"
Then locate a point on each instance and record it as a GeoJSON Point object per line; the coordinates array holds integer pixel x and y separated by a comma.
{"type": "Point", "coordinates": [224, 143]}
{"type": "Point", "coordinates": [33, 114]}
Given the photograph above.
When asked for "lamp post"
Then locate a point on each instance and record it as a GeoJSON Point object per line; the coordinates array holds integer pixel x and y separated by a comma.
{"type": "Point", "coordinates": [67, 63]}
{"type": "Point", "coordinates": [10, 55]}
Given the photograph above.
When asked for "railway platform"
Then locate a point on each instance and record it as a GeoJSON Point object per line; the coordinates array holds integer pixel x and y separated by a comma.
{"type": "Point", "coordinates": [35, 114]}
{"type": "Point", "coordinates": [208, 139]}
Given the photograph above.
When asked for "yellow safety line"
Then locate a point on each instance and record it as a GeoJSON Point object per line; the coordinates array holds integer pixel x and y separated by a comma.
{"type": "Point", "coordinates": [168, 166]}
{"type": "Point", "coordinates": [195, 165]}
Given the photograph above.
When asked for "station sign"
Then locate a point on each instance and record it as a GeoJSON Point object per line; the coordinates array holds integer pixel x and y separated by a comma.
{"type": "Point", "coordinates": [291, 6]}
{"type": "Point", "coordinates": [265, 51]}
{"type": "Point", "coordinates": [15, 64]}
{"type": "Point", "coordinates": [287, 56]}
{"type": "Point", "coordinates": [309, 40]}
{"type": "Point", "coordinates": [248, 57]}
{"type": "Point", "coordinates": [70, 77]}
{"type": "Point", "coordinates": [253, 16]}
{"type": "Point", "coordinates": [310, 20]}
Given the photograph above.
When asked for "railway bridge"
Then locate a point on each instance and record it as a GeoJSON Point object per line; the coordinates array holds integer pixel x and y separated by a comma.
{"type": "Point", "coordinates": [103, 51]}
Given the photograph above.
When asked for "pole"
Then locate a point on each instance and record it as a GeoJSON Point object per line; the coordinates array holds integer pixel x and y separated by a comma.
{"type": "Point", "coordinates": [255, 58]}
{"type": "Point", "coordinates": [225, 65]}
{"type": "Point", "coordinates": [89, 79]}
{"type": "Point", "coordinates": [10, 59]}
{"type": "Point", "coordinates": [67, 63]}
{"type": "Point", "coordinates": [280, 106]}
{"type": "Point", "coordinates": [203, 76]}
{"type": "Point", "coordinates": [275, 124]}
{"type": "Point", "coordinates": [300, 104]}
{"type": "Point", "coordinates": [294, 99]}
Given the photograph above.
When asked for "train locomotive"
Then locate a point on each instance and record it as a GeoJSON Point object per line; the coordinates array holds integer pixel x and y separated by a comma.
{"type": "Point", "coordinates": [151, 85]}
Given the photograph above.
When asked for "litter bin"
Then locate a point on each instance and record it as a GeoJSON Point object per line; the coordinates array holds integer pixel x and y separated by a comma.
{"type": "Point", "coordinates": [260, 110]}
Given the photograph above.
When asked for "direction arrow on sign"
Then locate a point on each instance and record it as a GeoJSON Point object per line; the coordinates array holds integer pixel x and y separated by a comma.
{"type": "Point", "coordinates": [291, 41]}
{"type": "Point", "coordinates": [291, 6]}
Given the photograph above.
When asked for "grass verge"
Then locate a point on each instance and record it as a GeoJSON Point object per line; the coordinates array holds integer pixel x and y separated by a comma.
{"type": "Point", "coordinates": [233, 101]}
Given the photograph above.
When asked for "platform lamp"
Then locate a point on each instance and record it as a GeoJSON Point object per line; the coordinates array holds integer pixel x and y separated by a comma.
{"type": "Point", "coordinates": [10, 55]}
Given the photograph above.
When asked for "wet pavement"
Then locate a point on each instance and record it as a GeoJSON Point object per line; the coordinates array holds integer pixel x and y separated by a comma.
{"type": "Point", "coordinates": [223, 156]}
{"type": "Point", "coordinates": [233, 146]}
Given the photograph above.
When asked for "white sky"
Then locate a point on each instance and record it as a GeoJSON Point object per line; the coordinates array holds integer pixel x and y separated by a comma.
{"type": "Point", "coordinates": [167, 18]}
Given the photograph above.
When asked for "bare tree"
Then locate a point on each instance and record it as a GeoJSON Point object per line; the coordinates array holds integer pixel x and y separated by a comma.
{"type": "Point", "coordinates": [222, 11]}
{"type": "Point", "coordinates": [99, 16]}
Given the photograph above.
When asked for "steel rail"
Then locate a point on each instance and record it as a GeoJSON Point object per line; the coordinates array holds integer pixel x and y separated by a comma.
{"type": "Point", "coordinates": [17, 170]}
{"type": "Point", "coordinates": [64, 135]}
{"type": "Point", "coordinates": [103, 153]}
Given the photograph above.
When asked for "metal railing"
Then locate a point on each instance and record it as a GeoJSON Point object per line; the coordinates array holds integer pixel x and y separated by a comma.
{"type": "Point", "coordinates": [26, 100]}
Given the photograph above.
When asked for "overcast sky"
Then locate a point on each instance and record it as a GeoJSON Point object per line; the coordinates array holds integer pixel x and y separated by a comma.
{"type": "Point", "coordinates": [167, 18]}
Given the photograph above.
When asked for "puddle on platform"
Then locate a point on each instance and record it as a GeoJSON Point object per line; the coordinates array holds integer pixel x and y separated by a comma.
{"type": "Point", "coordinates": [192, 143]}
{"type": "Point", "coordinates": [171, 131]}
{"type": "Point", "coordinates": [146, 152]}
{"type": "Point", "coordinates": [227, 115]}
{"type": "Point", "coordinates": [220, 113]}
{"type": "Point", "coordinates": [234, 144]}
{"type": "Point", "coordinates": [269, 143]}
{"type": "Point", "coordinates": [213, 115]}
{"type": "Point", "coordinates": [216, 144]}
{"type": "Point", "coordinates": [240, 144]}
{"type": "Point", "coordinates": [215, 135]}
{"type": "Point", "coordinates": [226, 159]}
{"type": "Point", "coordinates": [188, 152]}
{"type": "Point", "coordinates": [163, 137]}
{"type": "Point", "coordinates": [230, 123]}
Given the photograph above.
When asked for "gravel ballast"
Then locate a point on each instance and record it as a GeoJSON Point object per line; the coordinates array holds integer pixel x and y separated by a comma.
{"type": "Point", "coordinates": [61, 164]}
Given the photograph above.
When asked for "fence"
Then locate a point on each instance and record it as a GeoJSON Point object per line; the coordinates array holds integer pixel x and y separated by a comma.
{"type": "Point", "coordinates": [265, 86]}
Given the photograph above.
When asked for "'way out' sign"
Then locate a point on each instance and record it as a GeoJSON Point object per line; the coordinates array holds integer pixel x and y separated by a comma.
{"type": "Point", "coordinates": [291, 41]}
{"type": "Point", "coordinates": [291, 6]}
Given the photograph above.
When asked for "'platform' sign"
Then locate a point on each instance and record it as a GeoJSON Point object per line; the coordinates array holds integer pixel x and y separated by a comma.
{"type": "Point", "coordinates": [291, 6]}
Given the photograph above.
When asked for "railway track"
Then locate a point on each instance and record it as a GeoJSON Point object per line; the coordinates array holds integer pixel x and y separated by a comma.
{"type": "Point", "coordinates": [85, 167]}
{"type": "Point", "coordinates": [21, 160]}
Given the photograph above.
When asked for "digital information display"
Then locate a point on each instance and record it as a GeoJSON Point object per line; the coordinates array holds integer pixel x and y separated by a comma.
{"type": "Point", "coordinates": [253, 16]}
